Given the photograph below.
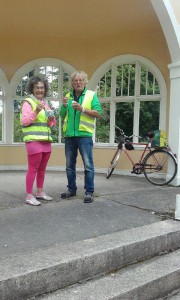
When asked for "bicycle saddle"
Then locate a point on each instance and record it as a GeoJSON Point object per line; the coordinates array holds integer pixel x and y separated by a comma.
{"type": "Point", "coordinates": [150, 135]}
{"type": "Point", "coordinates": [129, 146]}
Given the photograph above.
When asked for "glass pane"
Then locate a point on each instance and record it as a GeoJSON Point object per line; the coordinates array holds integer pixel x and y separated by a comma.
{"type": "Point", "coordinates": [53, 80]}
{"type": "Point", "coordinates": [127, 70]}
{"type": "Point", "coordinates": [132, 80]}
{"type": "Point", "coordinates": [52, 75]}
{"type": "Point", "coordinates": [104, 86]}
{"type": "Point", "coordinates": [17, 125]}
{"type": "Point", "coordinates": [143, 81]}
{"type": "Point", "coordinates": [149, 84]}
{"type": "Point", "coordinates": [21, 88]}
{"type": "Point", "coordinates": [42, 70]}
{"type": "Point", "coordinates": [55, 130]}
{"type": "Point", "coordinates": [66, 83]}
{"type": "Point", "coordinates": [149, 117]}
{"type": "Point", "coordinates": [157, 90]}
{"type": "Point", "coordinates": [103, 125]}
{"type": "Point", "coordinates": [125, 80]}
{"type": "Point", "coordinates": [124, 116]}
{"type": "Point", "coordinates": [119, 78]}
{"type": "Point", "coordinates": [1, 119]}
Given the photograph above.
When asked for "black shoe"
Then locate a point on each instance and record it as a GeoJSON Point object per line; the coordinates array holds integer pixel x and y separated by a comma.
{"type": "Point", "coordinates": [68, 194]}
{"type": "Point", "coordinates": [88, 198]}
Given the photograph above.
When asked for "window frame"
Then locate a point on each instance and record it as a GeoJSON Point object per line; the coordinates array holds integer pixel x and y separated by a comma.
{"type": "Point", "coordinates": [35, 65]}
{"type": "Point", "coordinates": [4, 97]}
{"type": "Point", "coordinates": [162, 97]}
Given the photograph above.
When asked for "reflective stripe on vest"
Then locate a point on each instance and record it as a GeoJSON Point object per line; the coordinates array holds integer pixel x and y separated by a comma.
{"type": "Point", "coordinates": [86, 123]}
{"type": "Point", "coordinates": [38, 130]}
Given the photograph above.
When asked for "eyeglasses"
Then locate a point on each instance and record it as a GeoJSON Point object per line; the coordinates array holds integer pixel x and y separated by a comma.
{"type": "Point", "coordinates": [38, 87]}
{"type": "Point", "coordinates": [78, 80]}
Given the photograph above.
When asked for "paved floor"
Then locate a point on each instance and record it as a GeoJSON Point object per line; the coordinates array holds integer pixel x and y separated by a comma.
{"type": "Point", "coordinates": [121, 202]}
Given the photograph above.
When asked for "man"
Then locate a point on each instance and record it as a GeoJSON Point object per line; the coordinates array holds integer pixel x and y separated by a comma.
{"type": "Point", "coordinates": [79, 110]}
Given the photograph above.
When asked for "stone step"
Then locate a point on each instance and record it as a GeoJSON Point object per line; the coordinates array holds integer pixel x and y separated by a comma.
{"type": "Point", "coordinates": [146, 280]}
{"type": "Point", "coordinates": [32, 273]}
{"type": "Point", "coordinates": [175, 295]}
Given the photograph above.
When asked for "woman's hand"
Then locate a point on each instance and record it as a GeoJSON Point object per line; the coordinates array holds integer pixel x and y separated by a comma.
{"type": "Point", "coordinates": [39, 107]}
{"type": "Point", "coordinates": [50, 118]}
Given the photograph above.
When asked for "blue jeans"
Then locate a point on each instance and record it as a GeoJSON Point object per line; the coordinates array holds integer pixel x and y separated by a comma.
{"type": "Point", "coordinates": [85, 146]}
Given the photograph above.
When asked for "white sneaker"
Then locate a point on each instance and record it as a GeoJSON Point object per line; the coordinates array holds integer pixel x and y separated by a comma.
{"type": "Point", "coordinates": [43, 196]}
{"type": "Point", "coordinates": [32, 201]}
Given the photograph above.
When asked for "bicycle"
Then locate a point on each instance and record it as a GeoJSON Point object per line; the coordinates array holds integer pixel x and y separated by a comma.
{"type": "Point", "coordinates": [159, 165]}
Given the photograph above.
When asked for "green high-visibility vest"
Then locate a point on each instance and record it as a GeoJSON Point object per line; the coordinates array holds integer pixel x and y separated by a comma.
{"type": "Point", "coordinates": [38, 130]}
{"type": "Point", "coordinates": [86, 123]}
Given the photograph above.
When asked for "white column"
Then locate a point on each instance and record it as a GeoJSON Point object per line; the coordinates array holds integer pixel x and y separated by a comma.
{"type": "Point", "coordinates": [174, 115]}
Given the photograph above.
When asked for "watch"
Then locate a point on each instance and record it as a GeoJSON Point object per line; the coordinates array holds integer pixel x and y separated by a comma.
{"type": "Point", "coordinates": [83, 109]}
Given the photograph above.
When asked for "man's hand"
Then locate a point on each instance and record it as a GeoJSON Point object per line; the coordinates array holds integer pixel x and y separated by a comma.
{"type": "Point", "coordinates": [76, 106]}
{"type": "Point", "coordinates": [65, 101]}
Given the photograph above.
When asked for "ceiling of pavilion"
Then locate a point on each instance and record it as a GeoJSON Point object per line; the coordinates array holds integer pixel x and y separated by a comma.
{"type": "Point", "coordinates": [78, 19]}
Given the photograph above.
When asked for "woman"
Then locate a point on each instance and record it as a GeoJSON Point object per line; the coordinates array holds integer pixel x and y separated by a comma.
{"type": "Point", "coordinates": [37, 118]}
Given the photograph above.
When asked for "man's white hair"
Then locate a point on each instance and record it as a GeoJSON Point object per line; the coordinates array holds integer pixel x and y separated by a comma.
{"type": "Point", "coordinates": [80, 74]}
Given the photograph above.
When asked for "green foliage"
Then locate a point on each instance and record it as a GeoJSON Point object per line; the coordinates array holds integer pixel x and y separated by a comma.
{"type": "Point", "coordinates": [104, 88]}
{"type": "Point", "coordinates": [149, 117]}
{"type": "Point", "coordinates": [125, 80]}
{"type": "Point", "coordinates": [124, 116]}
{"type": "Point", "coordinates": [18, 135]}
{"type": "Point", "coordinates": [103, 125]}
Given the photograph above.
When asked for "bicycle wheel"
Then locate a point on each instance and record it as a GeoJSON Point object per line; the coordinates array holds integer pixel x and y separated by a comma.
{"type": "Point", "coordinates": [113, 163]}
{"type": "Point", "coordinates": [159, 167]}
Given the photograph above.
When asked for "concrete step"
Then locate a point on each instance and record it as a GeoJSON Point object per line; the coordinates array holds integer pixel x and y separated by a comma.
{"type": "Point", "coordinates": [175, 295]}
{"type": "Point", "coordinates": [32, 273]}
{"type": "Point", "coordinates": [146, 280]}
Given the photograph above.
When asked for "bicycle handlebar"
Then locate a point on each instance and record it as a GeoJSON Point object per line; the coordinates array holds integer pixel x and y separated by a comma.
{"type": "Point", "coordinates": [126, 136]}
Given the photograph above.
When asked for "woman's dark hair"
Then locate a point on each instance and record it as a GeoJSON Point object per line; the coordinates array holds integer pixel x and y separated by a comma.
{"type": "Point", "coordinates": [34, 80]}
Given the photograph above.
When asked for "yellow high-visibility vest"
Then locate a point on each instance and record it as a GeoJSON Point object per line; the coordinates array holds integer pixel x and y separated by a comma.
{"type": "Point", "coordinates": [38, 130]}
{"type": "Point", "coordinates": [86, 123]}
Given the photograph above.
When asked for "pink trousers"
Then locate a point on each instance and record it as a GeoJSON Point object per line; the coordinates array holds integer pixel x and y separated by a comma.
{"type": "Point", "coordinates": [36, 169]}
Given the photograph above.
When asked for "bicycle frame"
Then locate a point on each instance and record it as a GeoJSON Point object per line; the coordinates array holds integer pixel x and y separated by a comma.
{"type": "Point", "coordinates": [147, 147]}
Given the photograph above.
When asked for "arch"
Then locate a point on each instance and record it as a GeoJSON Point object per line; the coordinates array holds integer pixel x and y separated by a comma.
{"type": "Point", "coordinates": [30, 66]}
{"type": "Point", "coordinates": [4, 83]}
{"type": "Point", "coordinates": [130, 58]}
{"type": "Point", "coordinates": [170, 26]}
{"type": "Point", "coordinates": [16, 79]}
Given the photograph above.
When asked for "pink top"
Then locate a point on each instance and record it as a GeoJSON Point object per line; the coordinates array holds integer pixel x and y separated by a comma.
{"type": "Point", "coordinates": [28, 116]}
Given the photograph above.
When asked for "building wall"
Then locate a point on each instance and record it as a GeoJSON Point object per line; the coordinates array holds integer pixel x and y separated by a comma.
{"type": "Point", "coordinates": [85, 55]}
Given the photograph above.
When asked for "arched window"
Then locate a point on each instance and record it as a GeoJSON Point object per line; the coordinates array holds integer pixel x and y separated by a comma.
{"type": "Point", "coordinates": [57, 73]}
{"type": "Point", "coordinates": [132, 92]}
